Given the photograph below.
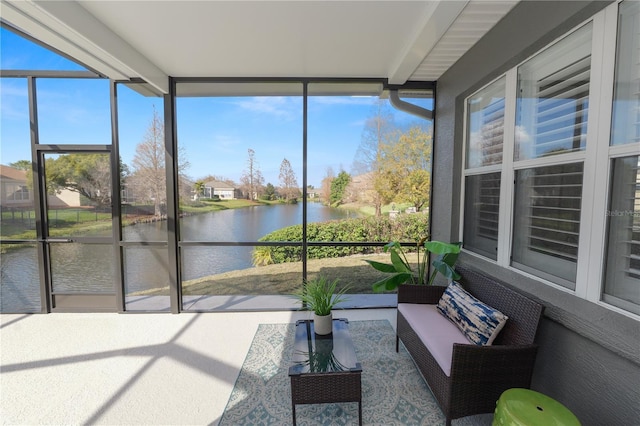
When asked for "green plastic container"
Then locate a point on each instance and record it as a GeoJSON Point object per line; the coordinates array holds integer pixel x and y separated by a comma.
{"type": "Point", "coordinates": [524, 407]}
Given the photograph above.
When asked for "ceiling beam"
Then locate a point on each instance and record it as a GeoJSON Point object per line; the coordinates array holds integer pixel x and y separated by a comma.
{"type": "Point", "coordinates": [438, 17]}
{"type": "Point", "coordinates": [69, 28]}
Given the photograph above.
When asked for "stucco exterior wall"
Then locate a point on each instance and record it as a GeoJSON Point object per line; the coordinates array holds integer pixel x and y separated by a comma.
{"type": "Point", "coordinates": [589, 356]}
{"type": "Point", "coordinates": [64, 198]}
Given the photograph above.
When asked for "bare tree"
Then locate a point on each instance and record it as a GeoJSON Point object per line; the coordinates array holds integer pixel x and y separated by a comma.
{"type": "Point", "coordinates": [378, 130]}
{"type": "Point", "coordinates": [361, 189]}
{"type": "Point", "coordinates": [251, 179]}
{"type": "Point", "coordinates": [325, 186]}
{"type": "Point", "coordinates": [149, 175]}
{"type": "Point", "coordinates": [288, 181]}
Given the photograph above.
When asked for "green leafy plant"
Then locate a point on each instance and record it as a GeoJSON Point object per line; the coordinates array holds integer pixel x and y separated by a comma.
{"type": "Point", "coordinates": [401, 271]}
{"type": "Point", "coordinates": [321, 296]}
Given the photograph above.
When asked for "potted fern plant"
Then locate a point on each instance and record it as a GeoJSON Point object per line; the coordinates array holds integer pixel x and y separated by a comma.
{"type": "Point", "coordinates": [400, 269]}
{"type": "Point", "coordinates": [321, 296]}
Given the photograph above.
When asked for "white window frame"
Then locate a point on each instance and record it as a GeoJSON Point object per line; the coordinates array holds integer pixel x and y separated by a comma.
{"type": "Point", "coordinates": [596, 157]}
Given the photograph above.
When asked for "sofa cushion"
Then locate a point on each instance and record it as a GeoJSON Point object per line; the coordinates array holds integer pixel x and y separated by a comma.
{"type": "Point", "coordinates": [436, 332]}
{"type": "Point", "coordinates": [478, 321]}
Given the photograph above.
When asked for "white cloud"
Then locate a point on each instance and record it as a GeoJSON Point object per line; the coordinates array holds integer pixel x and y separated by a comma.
{"type": "Point", "coordinates": [344, 100]}
{"type": "Point", "coordinates": [278, 106]}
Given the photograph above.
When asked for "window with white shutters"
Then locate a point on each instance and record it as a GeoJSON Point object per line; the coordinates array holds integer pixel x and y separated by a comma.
{"type": "Point", "coordinates": [482, 207]}
{"type": "Point", "coordinates": [485, 126]}
{"type": "Point", "coordinates": [561, 110]}
{"type": "Point", "coordinates": [622, 281]}
{"type": "Point", "coordinates": [626, 104]}
{"type": "Point", "coordinates": [553, 99]}
{"type": "Point", "coordinates": [547, 221]}
{"type": "Point", "coordinates": [485, 139]}
{"type": "Point", "coordinates": [622, 261]}
{"type": "Point", "coordinates": [551, 118]}
{"type": "Point", "coordinates": [552, 158]}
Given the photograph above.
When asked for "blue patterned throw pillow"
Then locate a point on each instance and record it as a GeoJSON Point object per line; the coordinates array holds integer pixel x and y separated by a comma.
{"type": "Point", "coordinates": [479, 322]}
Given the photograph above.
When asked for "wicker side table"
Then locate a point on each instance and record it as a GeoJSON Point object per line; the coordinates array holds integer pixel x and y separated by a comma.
{"type": "Point", "coordinates": [325, 368]}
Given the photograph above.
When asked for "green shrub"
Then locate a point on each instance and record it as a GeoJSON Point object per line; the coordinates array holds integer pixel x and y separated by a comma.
{"type": "Point", "coordinates": [406, 228]}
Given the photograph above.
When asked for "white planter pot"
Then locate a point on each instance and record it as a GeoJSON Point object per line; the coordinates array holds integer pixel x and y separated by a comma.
{"type": "Point", "coordinates": [323, 325]}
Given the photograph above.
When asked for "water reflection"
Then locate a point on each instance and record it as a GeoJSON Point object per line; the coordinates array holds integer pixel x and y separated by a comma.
{"type": "Point", "coordinates": [253, 223]}
{"type": "Point", "coordinates": [82, 268]}
{"type": "Point", "coordinates": [90, 267]}
{"type": "Point", "coordinates": [19, 281]}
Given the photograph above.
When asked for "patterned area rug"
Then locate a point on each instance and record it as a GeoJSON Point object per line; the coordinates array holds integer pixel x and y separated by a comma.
{"type": "Point", "coordinates": [393, 392]}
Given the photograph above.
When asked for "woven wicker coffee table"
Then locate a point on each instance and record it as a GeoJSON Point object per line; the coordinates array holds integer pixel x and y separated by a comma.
{"type": "Point", "coordinates": [325, 368]}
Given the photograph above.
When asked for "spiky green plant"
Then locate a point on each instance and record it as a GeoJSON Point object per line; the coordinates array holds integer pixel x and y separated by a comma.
{"type": "Point", "coordinates": [321, 296]}
{"type": "Point", "coordinates": [262, 256]}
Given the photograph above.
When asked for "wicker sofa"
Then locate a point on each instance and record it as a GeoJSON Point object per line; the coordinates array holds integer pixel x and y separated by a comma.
{"type": "Point", "coordinates": [478, 374]}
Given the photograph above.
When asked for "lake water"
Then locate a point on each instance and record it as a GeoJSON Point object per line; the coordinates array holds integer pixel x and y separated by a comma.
{"type": "Point", "coordinates": [145, 267]}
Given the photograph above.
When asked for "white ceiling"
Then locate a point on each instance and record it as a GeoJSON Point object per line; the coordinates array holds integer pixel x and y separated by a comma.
{"type": "Point", "coordinates": [398, 40]}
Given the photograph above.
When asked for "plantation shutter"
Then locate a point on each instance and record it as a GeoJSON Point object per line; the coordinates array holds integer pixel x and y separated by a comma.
{"type": "Point", "coordinates": [552, 113]}
{"type": "Point", "coordinates": [489, 197]}
{"type": "Point", "coordinates": [492, 132]}
{"type": "Point", "coordinates": [622, 274]}
{"type": "Point", "coordinates": [482, 205]}
{"type": "Point", "coordinates": [561, 110]}
{"type": "Point", "coordinates": [626, 106]}
{"type": "Point", "coordinates": [554, 215]}
{"type": "Point", "coordinates": [485, 126]}
{"type": "Point", "coordinates": [622, 283]}
{"type": "Point", "coordinates": [553, 98]}
{"type": "Point", "coordinates": [547, 221]}
{"type": "Point", "coordinates": [485, 140]}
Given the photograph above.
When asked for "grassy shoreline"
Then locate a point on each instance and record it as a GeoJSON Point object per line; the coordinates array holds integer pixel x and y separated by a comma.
{"type": "Point", "coordinates": [9, 232]}
{"type": "Point", "coordinates": [285, 278]}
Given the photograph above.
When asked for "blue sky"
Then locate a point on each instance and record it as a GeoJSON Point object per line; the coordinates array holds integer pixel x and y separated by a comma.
{"type": "Point", "coordinates": [214, 133]}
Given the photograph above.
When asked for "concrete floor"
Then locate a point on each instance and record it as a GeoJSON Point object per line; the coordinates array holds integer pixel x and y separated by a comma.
{"type": "Point", "coordinates": [133, 369]}
{"type": "Point", "coordinates": [152, 369]}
